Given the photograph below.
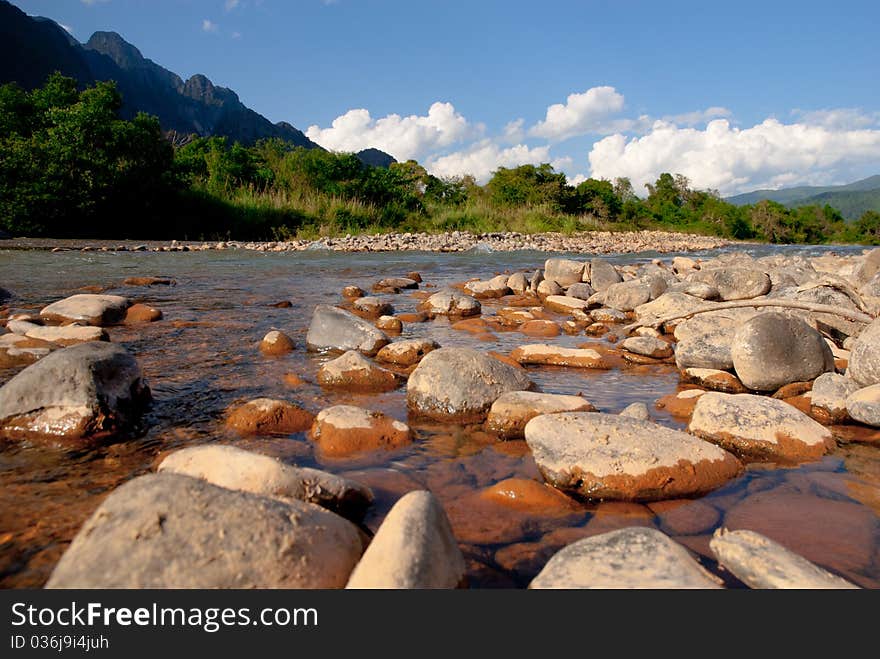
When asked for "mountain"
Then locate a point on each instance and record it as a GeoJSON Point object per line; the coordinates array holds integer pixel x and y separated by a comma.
{"type": "Point", "coordinates": [852, 199]}
{"type": "Point", "coordinates": [33, 47]}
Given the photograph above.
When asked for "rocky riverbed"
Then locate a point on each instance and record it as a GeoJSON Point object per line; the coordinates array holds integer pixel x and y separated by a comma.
{"type": "Point", "coordinates": [702, 420]}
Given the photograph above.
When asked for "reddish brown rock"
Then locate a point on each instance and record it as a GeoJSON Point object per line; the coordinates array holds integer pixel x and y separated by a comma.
{"type": "Point", "coordinates": [276, 343]}
{"type": "Point", "coordinates": [680, 404]}
{"type": "Point", "coordinates": [149, 281]}
{"type": "Point", "coordinates": [529, 495]}
{"type": "Point", "coordinates": [685, 516]}
{"type": "Point", "coordinates": [355, 372]}
{"type": "Point", "coordinates": [543, 354]}
{"type": "Point", "coordinates": [267, 416]}
{"type": "Point", "coordinates": [540, 328]}
{"type": "Point", "coordinates": [714, 379]}
{"type": "Point", "coordinates": [390, 324]}
{"type": "Point", "coordinates": [406, 353]}
{"type": "Point", "coordinates": [342, 430]}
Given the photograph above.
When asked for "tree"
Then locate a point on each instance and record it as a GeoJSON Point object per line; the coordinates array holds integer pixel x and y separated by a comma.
{"type": "Point", "coordinates": [597, 199]}
{"type": "Point", "coordinates": [528, 185]}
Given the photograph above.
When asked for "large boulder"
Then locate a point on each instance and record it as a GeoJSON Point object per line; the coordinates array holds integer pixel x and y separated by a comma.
{"type": "Point", "coordinates": [603, 274]}
{"type": "Point", "coordinates": [606, 456]}
{"type": "Point", "coordinates": [336, 329]}
{"type": "Point", "coordinates": [413, 548]}
{"type": "Point", "coordinates": [668, 304]}
{"type": "Point", "coordinates": [759, 428]}
{"type": "Point", "coordinates": [236, 469]}
{"type": "Point", "coordinates": [864, 405]}
{"type": "Point", "coordinates": [87, 390]}
{"type": "Point", "coordinates": [451, 303]}
{"type": "Point", "coordinates": [864, 359]}
{"type": "Point", "coordinates": [773, 349]}
{"type": "Point", "coordinates": [627, 295]}
{"type": "Point", "coordinates": [460, 384]}
{"type": "Point", "coordinates": [86, 308]}
{"type": "Point", "coordinates": [173, 531]}
{"type": "Point", "coordinates": [565, 271]}
{"type": "Point", "coordinates": [759, 562]}
{"type": "Point", "coordinates": [628, 558]}
{"type": "Point", "coordinates": [735, 283]}
{"type": "Point", "coordinates": [511, 412]}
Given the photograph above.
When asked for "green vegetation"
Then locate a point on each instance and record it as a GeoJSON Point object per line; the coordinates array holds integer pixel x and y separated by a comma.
{"type": "Point", "coordinates": [69, 166]}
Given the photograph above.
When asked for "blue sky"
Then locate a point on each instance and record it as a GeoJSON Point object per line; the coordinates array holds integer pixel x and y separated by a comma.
{"type": "Point", "coordinates": [734, 95]}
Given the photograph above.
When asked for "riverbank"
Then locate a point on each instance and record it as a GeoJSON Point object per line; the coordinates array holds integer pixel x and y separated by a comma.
{"type": "Point", "coordinates": [588, 242]}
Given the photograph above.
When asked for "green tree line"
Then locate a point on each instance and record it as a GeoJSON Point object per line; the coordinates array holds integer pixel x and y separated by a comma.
{"type": "Point", "coordinates": [70, 166]}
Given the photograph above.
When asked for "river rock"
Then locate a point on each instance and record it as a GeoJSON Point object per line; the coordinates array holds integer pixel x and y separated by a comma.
{"type": "Point", "coordinates": [99, 310]}
{"type": "Point", "coordinates": [647, 346]}
{"type": "Point", "coordinates": [451, 303]}
{"type": "Point", "coordinates": [714, 379]}
{"type": "Point", "coordinates": [236, 469]}
{"type": "Point", "coordinates": [17, 350]}
{"type": "Point", "coordinates": [668, 304]}
{"type": "Point", "coordinates": [355, 372]}
{"type": "Point", "coordinates": [149, 281]}
{"type": "Point", "coordinates": [495, 287]}
{"type": "Point", "coordinates": [89, 389]}
{"type": "Point", "coordinates": [336, 329]}
{"type": "Point", "coordinates": [550, 355]}
{"type": "Point", "coordinates": [172, 531]}
{"type": "Point", "coordinates": [705, 351]}
{"type": "Point", "coordinates": [864, 359]}
{"type": "Point", "coordinates": [581, 291]}
{"type": "Point", "coordinates": [734, 283]}
{"type": "Point", "coordinates": [564, 271]}
{"type": "Point", "coordinates": [389, 324]}
{"type": "Point", "coordinates": [564, 304]}
{"type": "Point", "coordinates": [142, 313]}
{"type": "Point", "coordinates": [372, 306]}
{"type": "Point", "coordinates": [549, 288]}
{"type": "Point", "coordinates": [828, 399]}
{"type": "Point", "coordinates": [353, 292]}
{"type": "Point", "coordinates": [628, 558]}
{"type": "Point", "coordinates": [407, 352]}
{"type": "Point", "coordinates": [268, 416]}
{"type": "Point", "coordinates": [867, 267]}
{"type": "Point", "coordinates": [511, 412]}
{"type": "Point", "coordinates": [696, 289]}
{"type": "Point", "coordinates": [607, 316]}
{"type": "Point", "coordinates": [864, 405]}
{"type": "Point", "coordinates": [627, 295]}
{"type": "Point", "coordinates": [276, 343]}
{"type": "Point", "coordinates": [342, 430]}
{"type": "Point", "coordinates": [759, 562]}
{"type": "Point", "coordinates": [413, 548]}
{"type": "Point", "coordinates": [606, 456]}
{"type": "Point", "coordinates": [773, 349]}
{"type": "Point", "coordinates": [67, 335]}
{"type": "Point", "coordinates": [603, 275]}
{"type": "Point", "coordinates": [518, 283]}
{"type": "Point", "coordinates": [397, 282]}
{"type": "Point", "coordinates": [636, 411]}
{"type": "Point", "coordinates": [759, 428]}
{"type": "Point", "coordinates": [460, 384]}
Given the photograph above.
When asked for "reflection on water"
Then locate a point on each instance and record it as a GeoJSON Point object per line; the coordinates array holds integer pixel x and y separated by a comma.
{"type": "Point", "coordinates": [204, 356]}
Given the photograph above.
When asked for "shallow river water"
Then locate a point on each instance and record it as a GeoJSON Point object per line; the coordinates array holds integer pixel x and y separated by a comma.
{"type": "Point", "coordinates": [203, 357]}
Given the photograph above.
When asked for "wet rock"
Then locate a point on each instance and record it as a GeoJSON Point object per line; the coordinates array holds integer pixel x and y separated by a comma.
{"type": "Point", "coordinates": [417, 317]}
{"type": "Point", "coordinates": [337, 329]}
{"type": "Point", "coordinates": [864, 405]}
{"type": "Point", "coordinates": [540, 328]}
{"type": "Point", "coordinates": [647, 346]}
{"type": "Point", "coordinates": [606, 456]}
{"type": "Point", "coordinates": [99, 310]}
{"type": "Point", "coordinates": [235, 469]}
{"type": "Point", "coordinates": [864, 359]}
{"type": "Point", "coordinates": [16, 350]}
{"type": "Point", "coordinates": [451, 303]}
{"type": "Point", "coordinates": [264, 416]}
{"type": "Point", "coordinates": [342, 430]}
{"type": "Point", "coordinates": [528, 496]}
{"type": "Point", "coordinates": [276, 343]}
{"type": "Point", "coordinates": [67, 335]}
{"type": "Point", "coordinates": [636, 411]}
{"type": "Point", "coordinates": [372, 306]}
{"type": "Point", "coordinates": [549, 288]}
{"type": "Point", "coordinates": [565, 271]}
{"type": "Point", "coordinates": [406, 353]}
{"type": "Point", "coordinates": [628, 558]}
{"type": "Point", "coordinates": [518, 283]}
{"type": "Point", "coordinates": [173, 531]}
{"type": "Point", "coordinates": [734, 283]}
{"type": "Point", "coordinates": [685, 516]}
{"type": "Point", "coordinates": [460, 384]}
{"type": "Point", "coordinates": [608, 316]}
{"type": "Point", "coordinates": [397, 282]}
{"type": "Point", "coordinates": [355, 372]}
{"type": "Point", "coordinates": [564, 304]}
{"type": "Point", "coordinates": [627, 295]}
{"type": "Point", "coordinates": [759, 562]}
{"type": "Point", "coordinates": [89, 389]}
{"type": "Point", "coordinates": [149, 281]}
{"type": "Point", "coordinates": [495, 287]}
{"type": "Point", "coordinates": [389, 324]}
{"type": "Point", "coordinates": [353, 292]}
{"type": "Point", "coordinates": [414, 548]}
{"type": "Point", "coordinates": [773, 349]}
{"type": "Point", "coordinates": [142, 313]}
{"type": "Point", "coordinates": [759, 428]}
{"type": "Point", "coordinates": [828, 400]}
{"type": "Point", "coordinates": [603, 275]}
{"type": "Point", "coordinates": [511, 412]}
{"type": "Point", "coordinates": [549, 355]}
{"type": "Point", "coordinates": [714, 379]}
{"type": "Point", "coordinates": [792, 390]}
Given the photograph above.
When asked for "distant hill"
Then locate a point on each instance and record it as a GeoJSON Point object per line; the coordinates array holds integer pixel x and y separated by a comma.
{"type": "Point", "coordinates": [33, 47]}
{"type": "Point", "coordinates": [852, 199]}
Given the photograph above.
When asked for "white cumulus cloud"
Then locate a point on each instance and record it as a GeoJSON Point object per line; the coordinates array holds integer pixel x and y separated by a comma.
{"type": "Point", "coordinates": [768, 155]}
{"type": "Point", "coordinates": [229, 5]}
{"type": "Point", "coordinates": [484, 157]}
{"type": "Point", "coordinates": [581, 114]}
{"type": "Point", "coordinates": [839, 118]}
{"type": "Point", "coordinates": [209, 26]}
{"type": "Point", "coordinates": [412, 136]}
